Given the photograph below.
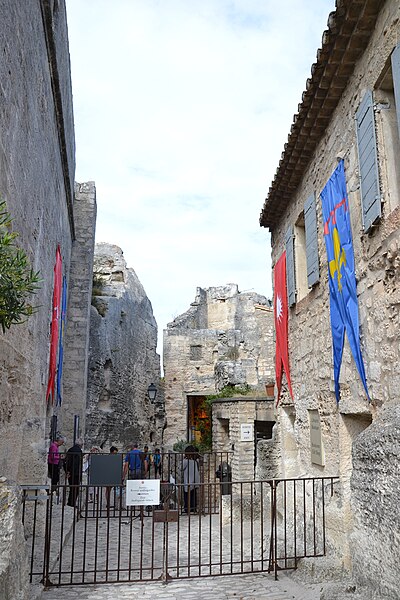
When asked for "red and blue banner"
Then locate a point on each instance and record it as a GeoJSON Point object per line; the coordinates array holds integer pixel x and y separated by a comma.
{"type": "Point", "coordinates": [61, 342]}
{"type": "Point", "coordinates": [341, 271]}
{"type": "Point", "coordinates": [54, 327]}
{"type": "Point", "coordinates": [281, 325]}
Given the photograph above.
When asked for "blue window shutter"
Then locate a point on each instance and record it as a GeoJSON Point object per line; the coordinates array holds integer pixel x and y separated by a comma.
{"type": "Point", "coordinates": [368, 162]}
{"type": "Point", "coordinates": [310, 226]}
{"type": "Point", "coordinates": [396, 80]}
{"type": "Point", "coordinates": [290, 279]}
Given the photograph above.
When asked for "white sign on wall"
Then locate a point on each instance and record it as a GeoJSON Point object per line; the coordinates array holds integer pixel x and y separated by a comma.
{"type": "Point", "coordinates": [246, 432]}
{"type": "Point", "coordinates": [142, 492]}
{"type": "Point", "coordinates": [316, 443]}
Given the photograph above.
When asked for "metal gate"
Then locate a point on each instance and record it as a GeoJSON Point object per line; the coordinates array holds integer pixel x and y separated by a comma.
{"type": "Point", "coordinates": [244, 527]}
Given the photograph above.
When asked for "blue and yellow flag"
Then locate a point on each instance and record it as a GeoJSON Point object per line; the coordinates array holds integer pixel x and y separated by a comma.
{"type": "Point", "coordinates": [342, 279]}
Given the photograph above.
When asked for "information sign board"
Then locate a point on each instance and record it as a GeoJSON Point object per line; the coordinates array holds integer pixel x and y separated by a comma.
{"type": "Point", "coordinates": [142, 492]}
{"type": "Point", "coordinates": [316, 443]}
{"type": "Point", "coordinates": [246, 432]}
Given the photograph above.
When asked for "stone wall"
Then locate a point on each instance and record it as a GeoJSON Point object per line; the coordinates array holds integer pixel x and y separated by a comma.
{"type": "Point", "coordinates": [76, 351]}
{"type": "Point", "coordinates": [36, 167]}
{"type": "Point", "coordinates": [374, 486]}
{"type": "Point", "coordinates": [122, 359]}
{"type": "Point", "coordinates": [228, 414]}
{"type": "Point", "coordinates": [13, 548]}
{"type": "Point", "coordinates": [225, 338]}
{"type": "Point", "coordinates": [364, 455]}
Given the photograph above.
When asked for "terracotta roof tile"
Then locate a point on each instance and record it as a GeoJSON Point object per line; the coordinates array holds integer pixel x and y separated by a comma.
{"type": "Point", "coordinates": [349, 29]}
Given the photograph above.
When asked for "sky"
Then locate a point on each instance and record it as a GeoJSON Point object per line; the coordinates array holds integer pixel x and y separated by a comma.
{"type": "Point", "coordinates": [182, 109]}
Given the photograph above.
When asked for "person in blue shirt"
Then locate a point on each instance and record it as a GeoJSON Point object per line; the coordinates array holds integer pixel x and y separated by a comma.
{"type": "Point", "coordinates": [157, 463]}
{"type": "Point", "coordinates": [133, 463]}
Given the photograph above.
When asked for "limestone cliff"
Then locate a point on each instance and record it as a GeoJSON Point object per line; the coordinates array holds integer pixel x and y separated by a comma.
{"type": "Point", "coordinates": [375, 500]}
{"type": "Point", "coordinates": [122, 356]}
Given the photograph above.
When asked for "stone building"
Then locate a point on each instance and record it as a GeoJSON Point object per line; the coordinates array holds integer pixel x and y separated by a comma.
{"type": "Point", "coordinates": [37, 171]}
{"type": "Point", "coordinates": [239, 424]}
{"type": "Point", "coordinates": [224, 339]}
{"type": "Point", "coordinates": [122, 360]}
{"type": "Point", "coordinates": [349, 111]}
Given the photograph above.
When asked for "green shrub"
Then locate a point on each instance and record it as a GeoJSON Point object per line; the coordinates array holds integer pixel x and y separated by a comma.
{"type": "Point", "coordinates": [180, 446]}
{"type": "Point", "coordinates": [98, 284]}
{"type": "Point", "coordinates": [17, 279]}
{"type": "Point", "coordinates": [229, 391]}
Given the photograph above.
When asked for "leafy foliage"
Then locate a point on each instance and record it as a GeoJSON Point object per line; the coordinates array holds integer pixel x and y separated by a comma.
{"type": "Point", "coordinates": [17, 279]}
{"type": "Point", "coordinates": [229, 391]}
{"type": "Point", "coordinates": [98, 284]}
{"type": "Point", "coordinates": [180, 446]}
{"type": "Point", "coordinates": [204, 446]}
{"type": "Point", "coordinates": [204, 425]}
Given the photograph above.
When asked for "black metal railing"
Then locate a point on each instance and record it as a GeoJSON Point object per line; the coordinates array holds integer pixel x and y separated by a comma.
{"type": "Point", "coordinates": [165, 466]}
{"type": "Point", "coordinates": [254, 526]}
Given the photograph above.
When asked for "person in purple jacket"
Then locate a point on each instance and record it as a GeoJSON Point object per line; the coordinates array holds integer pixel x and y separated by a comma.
{"type": "Point", "coordinates": [53, 461]}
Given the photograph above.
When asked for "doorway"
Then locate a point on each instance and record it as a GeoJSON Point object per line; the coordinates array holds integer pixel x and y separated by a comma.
{"type": "Point", "coordinates": [198, 421]}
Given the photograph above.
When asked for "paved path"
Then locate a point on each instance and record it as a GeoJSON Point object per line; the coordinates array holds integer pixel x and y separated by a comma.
{"type": "Point", "coordinates": [259, 586]}
{"type": "Point", "coordinates": [119, 545]}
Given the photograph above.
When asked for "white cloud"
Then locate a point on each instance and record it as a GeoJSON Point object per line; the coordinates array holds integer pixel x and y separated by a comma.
{"type": "Point", "coordinates": [181, 113]}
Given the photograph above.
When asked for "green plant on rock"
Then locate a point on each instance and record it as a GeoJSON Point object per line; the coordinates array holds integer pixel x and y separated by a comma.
{"type": "Point", "coordinates": [229, 391]}
{"type": "Point", "coordinates": [17, 279]}
{"type": "Point", "coordinates": [231, 354]}
{"type": "Point", "coordinates": [205, 444]}
{"type": "Point", "coordinates": [180, 446]}
{"type": "Point", "coordinates": [98, 284]}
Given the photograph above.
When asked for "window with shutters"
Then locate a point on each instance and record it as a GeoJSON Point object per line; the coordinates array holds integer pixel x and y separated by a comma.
{"type": "Point", "coordinates": [368, 162]}
{"type": "Point", "coordinates": [302, 260]}
{"type": "Point", "coordinates": [290, 275]}
{"type": "Point", "coordinates": [378, 121]}
{"type": "Point", "coordinates": [387, 112]}
{"type": "Point", "coordinates": [311, 232]}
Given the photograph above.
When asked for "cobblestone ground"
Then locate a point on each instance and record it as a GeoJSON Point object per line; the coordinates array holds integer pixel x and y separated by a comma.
{"type": "Point", "coordinates": [228, 587]}
{"type": "Point", "coordinates": [207, 556]}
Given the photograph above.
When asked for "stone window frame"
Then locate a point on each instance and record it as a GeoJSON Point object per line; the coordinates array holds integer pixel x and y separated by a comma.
{"type": "Point", "coordinates": [386, 97]}
{"type": "Point", "coordinates": [195, 352]}
{"type": "Point", "coordinates": [302, 253]}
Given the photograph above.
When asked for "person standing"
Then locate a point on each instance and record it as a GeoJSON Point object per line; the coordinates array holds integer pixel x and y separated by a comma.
{"type": "Point", "coordinates": [73, 469]}
{"type": "Point", "coordinates": [191, 479]}
{"type": "Point", "coordinates": [113, 450]}
{"type": "Point", "coordinates": [86, 471]}
{"type": "Point", "coordinates": [53, 461]}
{"type": "Point", "coordinates": [145, 456]}
{"type": "Point", "coordinates": [157, 463]}
{"type": "Point", "coordinates": [133, 464]}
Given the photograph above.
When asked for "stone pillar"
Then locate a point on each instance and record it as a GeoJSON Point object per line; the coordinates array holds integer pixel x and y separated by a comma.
{"type": "Point", "coordinates": [76, 342]}
{"type": "Point", "coordinates": [243, 461]}
{"type": "Point", "coordinates": [14, 567]}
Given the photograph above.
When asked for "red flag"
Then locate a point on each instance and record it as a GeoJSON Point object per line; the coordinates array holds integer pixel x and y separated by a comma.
{"type": "Point", "coordinates": [281, 325]}
{"type": "Point", "coordinates": [54, 326]}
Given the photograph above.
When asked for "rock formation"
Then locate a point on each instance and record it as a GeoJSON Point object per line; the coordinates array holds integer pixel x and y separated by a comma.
{"type": "Point", "coordinates": [122, 357]}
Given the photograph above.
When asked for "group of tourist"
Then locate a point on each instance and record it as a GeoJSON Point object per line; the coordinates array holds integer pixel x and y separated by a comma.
{"type": "Point", "coordinates": [72, 465]}
{"type": "Point", "coordinates": [138, 464]}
